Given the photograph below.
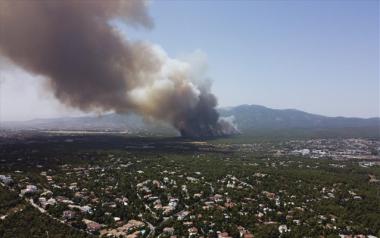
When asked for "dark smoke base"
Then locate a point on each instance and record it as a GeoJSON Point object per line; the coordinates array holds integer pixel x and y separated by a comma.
{"type": "Point", "coordinates": [91, 67]}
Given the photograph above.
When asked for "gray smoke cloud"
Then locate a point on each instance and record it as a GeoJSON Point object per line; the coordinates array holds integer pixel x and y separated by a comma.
{"type": "Point", "coordinates": [91, 67]}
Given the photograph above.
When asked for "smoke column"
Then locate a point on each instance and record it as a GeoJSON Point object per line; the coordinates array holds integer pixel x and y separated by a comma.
{"type": "Point", "coordinates": [91, 67]}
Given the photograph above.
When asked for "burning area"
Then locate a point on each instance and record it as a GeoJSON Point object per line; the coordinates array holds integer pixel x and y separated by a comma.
{"type": "Point", "coordinates": [89, 65]}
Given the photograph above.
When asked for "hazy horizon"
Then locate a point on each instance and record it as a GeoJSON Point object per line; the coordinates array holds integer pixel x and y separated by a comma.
{"type": "Point", "coordinates": [92, 114]}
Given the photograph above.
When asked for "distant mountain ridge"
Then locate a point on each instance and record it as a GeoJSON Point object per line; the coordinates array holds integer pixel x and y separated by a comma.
{"type": "Point", "coordinates": [250, 119]}
{"type": "Point", "coordinates": [254, 117]}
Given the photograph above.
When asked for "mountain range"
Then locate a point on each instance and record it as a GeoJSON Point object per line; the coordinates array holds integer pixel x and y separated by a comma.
{"type": "Point", "coordinates": [253, 116]}
{"type": "Point", "coordinates": [249, 119]}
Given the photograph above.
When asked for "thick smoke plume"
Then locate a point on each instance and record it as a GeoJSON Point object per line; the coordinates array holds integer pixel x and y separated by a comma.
{"type": "Point", "coordinates": [91, 67]}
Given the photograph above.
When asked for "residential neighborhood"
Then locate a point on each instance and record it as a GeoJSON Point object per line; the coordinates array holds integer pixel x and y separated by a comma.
{"type": "Point", "coordinates": [216, 190]}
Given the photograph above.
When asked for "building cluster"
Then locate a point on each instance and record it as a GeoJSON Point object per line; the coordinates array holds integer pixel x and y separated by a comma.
{"type": "Point", "coordinates": [337, 149]}
{"type": "Point", "coordinates": [121, 194]}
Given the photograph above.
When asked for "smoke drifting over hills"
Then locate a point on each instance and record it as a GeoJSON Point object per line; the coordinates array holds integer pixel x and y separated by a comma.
{"type": "Point", "coordinates": [91, 67]}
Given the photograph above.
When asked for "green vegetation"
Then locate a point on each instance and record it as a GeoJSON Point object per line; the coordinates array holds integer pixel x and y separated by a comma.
{"type": "Point", "coordinates": [8, 200]}
{"type": "Point", "coordinates": [179, 187]}
{"type": "Point", "coordinates": [31, 223]}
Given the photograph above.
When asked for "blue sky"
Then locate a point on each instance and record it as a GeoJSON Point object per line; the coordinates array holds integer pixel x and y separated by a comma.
{"type": "Point", "coordinates": [320, 56]}
{"type": "Point", "coordinates": [317, 56]}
